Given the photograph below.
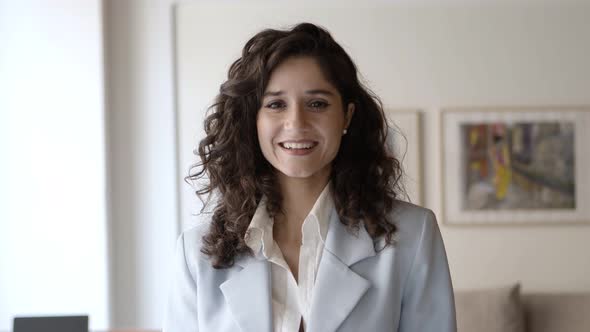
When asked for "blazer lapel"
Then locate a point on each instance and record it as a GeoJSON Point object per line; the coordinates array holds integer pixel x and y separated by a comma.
{"type": "Point", "coordinates": [338, 289]}
{"type": "Point", "coordinates": [248, 295]}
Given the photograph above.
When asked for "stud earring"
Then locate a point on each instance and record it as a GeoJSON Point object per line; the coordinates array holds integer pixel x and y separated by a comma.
{"type": "Point", "coordinates": [344, 132]}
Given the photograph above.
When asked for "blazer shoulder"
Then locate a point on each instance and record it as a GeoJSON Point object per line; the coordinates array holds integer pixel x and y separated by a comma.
{"type": "Point", "coordinates": [412, 220]}
{"type": "Point", "coordinates": [407, 213]}
{"type": "Point", "coordinates": [192, 240]}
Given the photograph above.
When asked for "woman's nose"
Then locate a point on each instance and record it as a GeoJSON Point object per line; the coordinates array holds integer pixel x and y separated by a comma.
{"type": "Point", "coordinates": [296, 117]}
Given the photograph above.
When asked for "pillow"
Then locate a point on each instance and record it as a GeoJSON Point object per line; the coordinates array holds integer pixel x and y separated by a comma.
{"type": "Point", "coordinates": [490, 310]}
{"type": "Point", "coordinates": [549, 312]}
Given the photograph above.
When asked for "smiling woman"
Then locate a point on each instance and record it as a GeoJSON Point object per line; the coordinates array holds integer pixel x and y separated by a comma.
{"type": "Point", "coordinates": [307, 232]}
{"type": "Point", "coordinates": [301, 121]}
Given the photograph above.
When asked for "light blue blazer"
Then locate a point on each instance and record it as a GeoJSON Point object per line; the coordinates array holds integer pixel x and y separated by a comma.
{"type": "Point", "coordinates": [405, 287]}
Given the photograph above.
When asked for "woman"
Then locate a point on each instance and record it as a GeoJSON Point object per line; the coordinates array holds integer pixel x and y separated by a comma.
{"type": "Point", "coordinates": [307, 232]}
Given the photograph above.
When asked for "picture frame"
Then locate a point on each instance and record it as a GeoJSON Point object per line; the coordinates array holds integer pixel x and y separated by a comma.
{"type": "Point", "coordinates": [515, 165]}
{"type": "Point", "coordinates": [404, 138]}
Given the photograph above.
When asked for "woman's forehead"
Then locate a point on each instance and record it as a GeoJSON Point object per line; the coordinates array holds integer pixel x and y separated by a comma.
{"type": "Point", "coordinates": [299, 74]}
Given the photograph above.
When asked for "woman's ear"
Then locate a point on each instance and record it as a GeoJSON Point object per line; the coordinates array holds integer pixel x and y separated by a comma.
{"type": "Point", "coordinates": [349, 113]}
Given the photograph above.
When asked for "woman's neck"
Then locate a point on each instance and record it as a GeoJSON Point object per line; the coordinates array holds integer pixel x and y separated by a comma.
{"type": "Point", "coordinates": [299, 196]}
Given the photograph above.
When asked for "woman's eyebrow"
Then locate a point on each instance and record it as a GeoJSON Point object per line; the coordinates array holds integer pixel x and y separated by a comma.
{"type": "Point", "coordinates": [319, 92]}
{"type": "Point", "coordinates": [308, 92]}
{"type": "Point", "coordinates": [273, 93]}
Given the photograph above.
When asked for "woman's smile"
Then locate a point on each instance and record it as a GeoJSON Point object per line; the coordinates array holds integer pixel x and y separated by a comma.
{"type": "Point", "coordinates": [298, 148]}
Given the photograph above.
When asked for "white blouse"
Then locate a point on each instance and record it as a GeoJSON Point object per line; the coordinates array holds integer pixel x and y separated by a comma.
{"type": "Point", "coordinates": [291, 301]}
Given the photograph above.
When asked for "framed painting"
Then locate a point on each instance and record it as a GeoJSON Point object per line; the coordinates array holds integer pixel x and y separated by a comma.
{"type": "Point", "coordinates": [515, 165]}
{"type": "Point", "coordinates": [404, 138]}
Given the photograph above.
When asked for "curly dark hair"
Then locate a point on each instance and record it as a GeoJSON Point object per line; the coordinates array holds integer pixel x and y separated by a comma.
{"type": "Point", "coordinates": [365, 176]}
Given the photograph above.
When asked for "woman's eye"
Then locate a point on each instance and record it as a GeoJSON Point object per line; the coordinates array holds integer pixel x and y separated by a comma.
{"type": "Point", "coordinates": [318, 104]}
{"type": "Point", "coordinates": [275, 105]}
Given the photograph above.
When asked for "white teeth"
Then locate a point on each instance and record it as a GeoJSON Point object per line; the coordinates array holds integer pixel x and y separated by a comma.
{"type": "Point", "coordinates": [290, 145]}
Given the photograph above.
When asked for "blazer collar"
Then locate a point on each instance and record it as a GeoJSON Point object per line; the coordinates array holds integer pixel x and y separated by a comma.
{"type": "Point", "coordinates": [348, 247]}
{"type": "Point", "coordinates": [248, 292]}
{"type": "Point", "coordinates": [338, 289]}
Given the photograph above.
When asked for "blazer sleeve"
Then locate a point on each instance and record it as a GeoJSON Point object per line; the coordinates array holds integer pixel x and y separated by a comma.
{"type": "Point", "coordinates": [181, 314]}
{"type": "Point", "coordinates": [428, 303]}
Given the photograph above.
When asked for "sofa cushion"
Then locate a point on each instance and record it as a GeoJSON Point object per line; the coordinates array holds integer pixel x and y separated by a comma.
{"type": "Point", "coordinates": [490, 310]}
{"type": "Point", "coordinates": [557, 312]}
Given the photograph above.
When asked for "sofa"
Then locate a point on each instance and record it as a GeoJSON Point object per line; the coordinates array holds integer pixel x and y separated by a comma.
{"type": "Point", "coordinates": [505, 309]}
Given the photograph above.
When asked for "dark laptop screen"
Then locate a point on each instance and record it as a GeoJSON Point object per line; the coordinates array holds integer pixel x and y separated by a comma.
{"type": "Point", "coordinates": [51, 324]}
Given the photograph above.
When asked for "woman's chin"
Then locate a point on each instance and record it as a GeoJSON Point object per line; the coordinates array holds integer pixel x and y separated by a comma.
{"type": "Point", "coordinates": [305, 173]}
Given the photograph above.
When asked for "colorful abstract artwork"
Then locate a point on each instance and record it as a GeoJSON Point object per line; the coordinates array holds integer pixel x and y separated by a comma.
{"type": "Point", "coordinates": [522, 165]}
{"type": "Point", "coordinates": [515, 165]}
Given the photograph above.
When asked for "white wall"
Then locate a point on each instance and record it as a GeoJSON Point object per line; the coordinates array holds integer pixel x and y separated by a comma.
{"type": "Point", "coordinates": [427, 57]}
{"type": "Point", "coordinates": [142, 158]}
{"type": "Point", "coordinates": [53, 240]}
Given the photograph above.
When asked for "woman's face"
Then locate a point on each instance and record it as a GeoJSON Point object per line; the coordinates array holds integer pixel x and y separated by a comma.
{"type": "Point", "coordinates": [301, 121]}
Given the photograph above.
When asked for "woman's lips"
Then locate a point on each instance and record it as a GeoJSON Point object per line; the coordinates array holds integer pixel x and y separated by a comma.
{"type": "Point", "coordinates": [298, 148]}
